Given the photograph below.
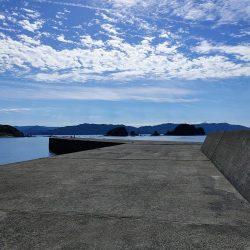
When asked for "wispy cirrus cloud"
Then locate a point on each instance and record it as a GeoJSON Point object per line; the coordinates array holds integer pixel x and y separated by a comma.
{"type": "Point", "coordinates": [115, 93]}
{"type": "Point", "coordinates": [241, 52]}
{"type": "Point", "coordinates": [31, 13]}
{"type": "Point", "coordinates": [220, 11]}
{"type": "Point", "coordinates": [205, 10]}
{"type": "Point", "coordinates": [14, 110]}
{"type": "Point", "coordinates": [73, 4]}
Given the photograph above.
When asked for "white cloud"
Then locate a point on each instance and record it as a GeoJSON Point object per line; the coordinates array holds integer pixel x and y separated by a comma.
{"type": "Point", "coordinates": [29, 40]}
{"type": "Point", "coordinates": [11, 19]}
{"type": "Point", "coordinates": [193, 10]}
{"type": "Point", "coordinates": [32, 13]}
{"type": "Point", "coordinates": [109, 29]}
{"type": "Point", "coordinates": [165, 48]}
{"type": "Point", "coordinates": [152, 94]}
{"type": "Point", "coordinates": [107, 18]}
{"type": "Point", "coordinates": [8, 29]}
{"type": "Point", "coordinates": [117, 59]}
{"type": "Point", "coordinates": [32, 27]}
{"type": "Point", "coordinates": [89, 42]}
{"type": "Point", "coordinates": [245, 32]}
{"type": "Point", "coordinates": [165, 34]}
{"type": "Point", "coordinates": [241, 52]}
{"type": "Point", "coordinates": [62, 15]}
{"type": "Point", "coordinates": [127, 3]}
{"type": "Point", "coordinates": [72, 4]}
{"type": "Point", "coordinates": [242, 33]}
{"type": "Point", "coordinates": [14, 110]}
{"type": "Point", "coordinates": [61, 38]}
{"type": "Point", "coordinates": [218, 10]}
{"type": "Point", "coordinates": [2, 17]}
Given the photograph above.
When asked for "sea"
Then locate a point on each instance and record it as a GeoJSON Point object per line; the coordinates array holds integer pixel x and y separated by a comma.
{"type": "Point", "coordinates": [20, 149]}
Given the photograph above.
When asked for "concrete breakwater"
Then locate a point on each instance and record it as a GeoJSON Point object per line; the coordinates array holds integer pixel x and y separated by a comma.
{"type": "Point", "coordinates": [135, 195]}
{"type": "Point", "coordinates": [71, 145]}
{"type": "Point", "coordinates": [230, 152]}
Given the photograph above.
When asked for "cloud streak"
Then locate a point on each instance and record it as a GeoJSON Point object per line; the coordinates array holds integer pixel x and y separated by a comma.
{"type": "Point", "coordinates": [209, 10]}
{"type": "Point", "coordinates": [241, 52]}
{"type": "Point", "coordinates": [14, 110]}
{"type": "Point", "coordinates": [141, 94]}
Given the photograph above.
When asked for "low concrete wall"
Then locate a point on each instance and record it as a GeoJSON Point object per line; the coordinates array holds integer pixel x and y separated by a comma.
{"type": "Point", "coordinates": [211, 143]}
{"type": "Point", "coordinates": [230, 152]}
{"type": "Point", "coordinates": [71, 145]}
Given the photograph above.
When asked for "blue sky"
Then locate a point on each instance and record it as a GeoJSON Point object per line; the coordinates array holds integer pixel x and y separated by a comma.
{"type": "Point", "coordinates": [124, 61]}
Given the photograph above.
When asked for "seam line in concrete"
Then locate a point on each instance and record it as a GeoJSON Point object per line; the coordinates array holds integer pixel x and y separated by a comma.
{"type": "Point", "coordinates": [113, 216]}
{"type": "Point", "coordinates": [117, 159]}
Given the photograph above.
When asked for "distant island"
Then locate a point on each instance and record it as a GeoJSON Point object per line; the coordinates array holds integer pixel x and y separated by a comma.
{"type": "Point", "coordinates": [155, 133]}
{"type": "Point", "coordinates": [133, 133]}
{"type": "Point", "coordinates": [9, 131]}
{"type": "Point", "coordinates": [102, 129]}
{"type": "Point", "coordinates": [119, 131]}
{"type": "Point", "coordinates": [186, 130]}
{"type": "Point", "coordinates": [182, 129]}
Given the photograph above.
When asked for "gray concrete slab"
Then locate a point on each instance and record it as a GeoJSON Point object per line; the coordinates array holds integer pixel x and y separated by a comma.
{"type": "Point", "coordinates": [144, 151]}
{"type": "Point", "coordinates": [131, 196]}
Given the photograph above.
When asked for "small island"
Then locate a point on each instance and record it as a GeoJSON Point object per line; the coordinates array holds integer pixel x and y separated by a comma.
{"type": "Point", "coordinates": [118, 131]}
{"type": "Point", "coordinates": [133, 133]}
{"type": "Point", "coordinates": [186, 130]}
{"type": "Point", "coordinates": [156, 133]}
{"type": "Point", "coordinates": [9, 131]}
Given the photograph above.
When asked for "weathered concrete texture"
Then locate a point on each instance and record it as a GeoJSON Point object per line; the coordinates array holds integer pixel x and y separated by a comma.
{"type": "Point", "coordinates": [139, 195]}
{"type": "Point", "coordinates": [232, 157]}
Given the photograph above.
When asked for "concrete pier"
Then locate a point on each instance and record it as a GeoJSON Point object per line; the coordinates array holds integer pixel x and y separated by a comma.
{"type": "Point", "coordinates": [136, 195]}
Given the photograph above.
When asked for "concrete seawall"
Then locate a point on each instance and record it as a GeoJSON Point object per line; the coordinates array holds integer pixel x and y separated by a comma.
{"type": "Point", "coordinates": [71, 145]}
{"type": "Point", "coordinates": [230, 152]}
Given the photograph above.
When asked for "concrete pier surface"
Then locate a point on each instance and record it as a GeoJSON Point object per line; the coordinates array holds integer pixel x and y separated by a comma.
{"type": "Point", "coordinates": [137, 195]}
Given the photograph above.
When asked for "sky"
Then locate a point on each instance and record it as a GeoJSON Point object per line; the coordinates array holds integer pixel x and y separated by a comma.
{"type": "Point", "coordinates": [130, 62]}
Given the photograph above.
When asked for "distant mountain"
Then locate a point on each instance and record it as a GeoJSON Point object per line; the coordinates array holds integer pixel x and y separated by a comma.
{"type": "Point", "coordinates": [216, 127]}
{"type": "Point", "coordinates": [6, 131]}
{"type": "Point", "coordinates": [86, 129]}
{"type": "Point", "coordinates": [101, 129]}
{"type": "Point", "coordinates": [34, 130]}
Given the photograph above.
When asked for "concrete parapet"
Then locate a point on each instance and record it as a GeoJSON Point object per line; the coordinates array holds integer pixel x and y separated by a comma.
{"type": "Point", "coordinates": [71, 145]}
{"type": "Point", "coordinates": [230, 152]}
{"type": "Point", "coordinates": [211, 143]}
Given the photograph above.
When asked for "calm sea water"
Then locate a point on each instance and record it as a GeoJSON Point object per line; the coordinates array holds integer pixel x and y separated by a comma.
{"type": "Point", "coordinates": [23, 149]}
{"type": "Point", "coordinates": [29, 148]}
